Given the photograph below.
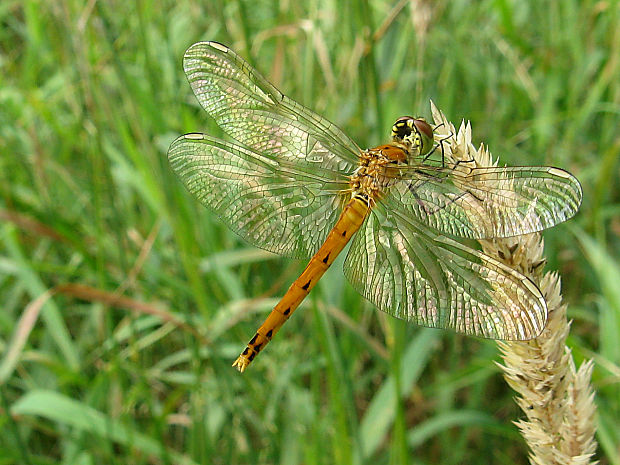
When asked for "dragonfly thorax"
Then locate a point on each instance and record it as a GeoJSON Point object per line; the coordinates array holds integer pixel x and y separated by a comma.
{"type": "Point", "coordinates": [378, 170]}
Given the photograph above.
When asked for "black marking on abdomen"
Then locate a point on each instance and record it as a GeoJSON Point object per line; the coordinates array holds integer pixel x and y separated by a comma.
{"type": "Point", "coordinates": [257, 347]}
{"type": "Point", "coordinates": [305, 286]}
{"type": "Point", "coordinates": [287, 311]}
{"type": "Point", "coordinates": [254, 339]}
{"type": "Point", "coordinates": [269, 334]}
{"type": "Point", "coordinates": [326, 258]}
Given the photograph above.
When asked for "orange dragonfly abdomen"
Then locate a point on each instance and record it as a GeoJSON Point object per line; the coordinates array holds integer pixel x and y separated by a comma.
{"type": "Point", "coordinates": [351, 218]}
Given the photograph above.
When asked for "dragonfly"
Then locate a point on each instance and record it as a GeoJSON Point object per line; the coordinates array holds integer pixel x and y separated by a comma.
{"type": "Point", "coordinates": [293, 183]}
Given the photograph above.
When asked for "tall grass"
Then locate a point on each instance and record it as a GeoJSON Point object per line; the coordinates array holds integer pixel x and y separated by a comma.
{"type": "Point", "coordinates": [124, 301]}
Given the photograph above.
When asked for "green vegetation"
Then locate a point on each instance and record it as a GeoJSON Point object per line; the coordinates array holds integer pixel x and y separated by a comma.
{"type": "Point", "coordinates": [124, 302]}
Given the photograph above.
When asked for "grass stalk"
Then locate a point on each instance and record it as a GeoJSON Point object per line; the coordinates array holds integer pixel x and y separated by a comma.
{"type": "Point", "coordinates": [557, 398]}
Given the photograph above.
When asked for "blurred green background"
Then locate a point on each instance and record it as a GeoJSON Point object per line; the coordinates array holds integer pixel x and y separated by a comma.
{"type": "Point", "coordinates": [151, 298]}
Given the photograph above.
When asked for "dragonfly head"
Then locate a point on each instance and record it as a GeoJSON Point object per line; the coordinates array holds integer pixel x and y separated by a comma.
{"type": "Point", "coordinates": [415, 133]}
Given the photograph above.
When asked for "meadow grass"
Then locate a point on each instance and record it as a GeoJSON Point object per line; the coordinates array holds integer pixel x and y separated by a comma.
{"type": "Point", "coordinates": [124, 302]}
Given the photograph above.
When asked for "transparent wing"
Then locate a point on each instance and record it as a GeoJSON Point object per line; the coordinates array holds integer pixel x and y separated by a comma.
{"type": "Point", "coordinates": [252, 111]}
{"type": "Point", "coordinates": [486, 202]}
{"type": "Point", "coordinates": [415, 274]}
{"type": "Point", "coordinates": [282, 206]}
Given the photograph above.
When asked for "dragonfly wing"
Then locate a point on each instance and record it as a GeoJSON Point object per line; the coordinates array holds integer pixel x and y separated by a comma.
{"type": "Point", "coordinates": [252, 111]}
{"type": "Point", "coordinates": [281, 206]}
{"type": "Point", "coordinates": [483, 203]}
{"type": "Point", "coordinates": [411, 272]}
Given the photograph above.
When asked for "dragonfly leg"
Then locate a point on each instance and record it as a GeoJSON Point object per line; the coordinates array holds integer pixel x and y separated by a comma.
{"type": "Point", "coordinates": [432, 212]}
{"type": "Point", "coordinates": [443, 155]}
{"type": "Point", "coordinates": [439, 144]}
{"type": "Point", "coordinates": [418, 199]}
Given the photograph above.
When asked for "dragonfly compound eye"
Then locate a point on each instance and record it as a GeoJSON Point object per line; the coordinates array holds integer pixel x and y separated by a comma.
{"type": "Point", "coordinates": [401, 131]}
{"type": "Point", "coordinates": [415, 133]}
{"type": "Point", "coordinates": [427, 140]}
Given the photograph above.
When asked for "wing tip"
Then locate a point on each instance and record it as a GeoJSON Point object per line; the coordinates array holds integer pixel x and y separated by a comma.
{"type": "Point", "coordinates": [193, 136]}
{"type": "Point", "coordinates": [172, 152]}
{"type": "Point", "coordinates": [218, 45]}
{"type": "Point", "coordinates": [206, 43]}
{"type": "Point", "coordinates": [572, 181]}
